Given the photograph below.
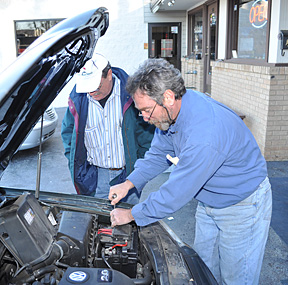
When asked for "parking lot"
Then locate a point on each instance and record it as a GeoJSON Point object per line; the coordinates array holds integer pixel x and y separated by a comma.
{"type": "Point", "coordinates": [55, 177]}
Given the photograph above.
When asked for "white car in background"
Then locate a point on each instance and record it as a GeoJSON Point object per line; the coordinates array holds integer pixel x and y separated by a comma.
{"type": "Point", "coordinates": [50, 122]}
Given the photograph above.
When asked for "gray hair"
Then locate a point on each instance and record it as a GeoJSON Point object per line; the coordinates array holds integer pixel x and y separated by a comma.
{"type": "Point", "coordinates": [154, 77]}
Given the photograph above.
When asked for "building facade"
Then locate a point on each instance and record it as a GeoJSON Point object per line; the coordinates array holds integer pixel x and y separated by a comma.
{"type": "Point", "coordinates": [235, 51]}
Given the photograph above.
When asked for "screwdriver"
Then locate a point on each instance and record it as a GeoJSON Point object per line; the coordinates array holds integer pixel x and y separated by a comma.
{"type": "Point", "coordinates": [114, 196]}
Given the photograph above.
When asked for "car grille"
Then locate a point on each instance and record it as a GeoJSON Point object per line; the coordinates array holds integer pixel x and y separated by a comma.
{"type": "Point", "coordinates": [51, 113]}
{"type": "Point", "coordinates": [46, 136]}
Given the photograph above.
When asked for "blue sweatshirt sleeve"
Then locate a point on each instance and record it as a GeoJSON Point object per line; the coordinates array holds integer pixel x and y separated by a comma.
{"type": "Point", "coordinates": [196, 165]}
{"type": "Point", "coordinates": [154, 161]}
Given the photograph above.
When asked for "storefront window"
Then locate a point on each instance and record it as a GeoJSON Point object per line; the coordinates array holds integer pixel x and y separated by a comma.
{"type": "Point", "coordinates": [249, 29]}
{"type": "Point", "coordinates": [28, 31]}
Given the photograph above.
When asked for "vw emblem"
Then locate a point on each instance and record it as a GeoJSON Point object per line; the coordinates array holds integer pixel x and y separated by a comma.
{"type": "Point", "coordinates": [77, 276]}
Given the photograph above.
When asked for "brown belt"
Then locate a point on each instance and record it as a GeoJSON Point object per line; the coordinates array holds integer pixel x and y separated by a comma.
{"type": "Point", "coordinates": [116, 169]}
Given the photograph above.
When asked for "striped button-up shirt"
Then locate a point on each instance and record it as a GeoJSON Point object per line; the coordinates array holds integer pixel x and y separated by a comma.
{"type": "Point", "coordinates": [103, 135]}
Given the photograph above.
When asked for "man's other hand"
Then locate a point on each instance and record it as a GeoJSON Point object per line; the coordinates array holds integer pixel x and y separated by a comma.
{"type": "Point", "coordinates": [120, 216]}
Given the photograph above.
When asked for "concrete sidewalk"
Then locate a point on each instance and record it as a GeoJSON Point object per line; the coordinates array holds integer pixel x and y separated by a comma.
{"type": "Point", "coordinates": [55, 177]}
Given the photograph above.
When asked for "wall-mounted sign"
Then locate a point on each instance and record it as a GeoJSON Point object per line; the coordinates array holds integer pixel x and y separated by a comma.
{"type": "Point", "coordinates": [174, 30]}
{"type": "Point", "coordinates": [258, 14]}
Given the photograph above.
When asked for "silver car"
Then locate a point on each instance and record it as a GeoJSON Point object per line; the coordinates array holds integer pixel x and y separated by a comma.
{"type": "Point", "coordinates": [50, 121]}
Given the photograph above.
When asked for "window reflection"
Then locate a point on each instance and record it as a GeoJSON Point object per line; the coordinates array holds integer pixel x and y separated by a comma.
{"type": "Point", "coordinates": [28, 31]}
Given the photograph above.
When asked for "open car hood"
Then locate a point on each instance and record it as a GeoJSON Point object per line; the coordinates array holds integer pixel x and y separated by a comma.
{"type": "Point", "coordinates": [34, 79]}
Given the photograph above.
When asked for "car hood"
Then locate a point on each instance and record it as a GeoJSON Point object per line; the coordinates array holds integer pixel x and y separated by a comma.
{"type": "Point", "coordinates": [34, 79]}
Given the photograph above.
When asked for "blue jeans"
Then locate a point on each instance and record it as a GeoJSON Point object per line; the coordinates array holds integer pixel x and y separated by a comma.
{"type": "Point", "coordinates": [231, 240]}
{"type": "Point", "coordinates": [105, 175]}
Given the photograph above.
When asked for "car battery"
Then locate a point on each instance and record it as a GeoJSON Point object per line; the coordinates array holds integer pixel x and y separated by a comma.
{"type": "Point", "coordinates": [121, 249]}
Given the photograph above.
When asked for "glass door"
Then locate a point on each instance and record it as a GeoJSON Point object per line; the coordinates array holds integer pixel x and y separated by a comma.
{"type": "Point", "coordinates": [197, 34]}
{"type": "Point", "coordinates": [165, 42]}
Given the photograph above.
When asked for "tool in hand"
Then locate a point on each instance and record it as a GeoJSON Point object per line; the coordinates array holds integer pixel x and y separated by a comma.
{"type": "Point", "coordinates": [114, 196]}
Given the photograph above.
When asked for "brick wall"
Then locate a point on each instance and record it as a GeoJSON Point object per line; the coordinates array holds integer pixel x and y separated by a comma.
{"type": "Point", "coordinates": [261, 94]}
{"type": "Point", "coordinates": [192, 73]}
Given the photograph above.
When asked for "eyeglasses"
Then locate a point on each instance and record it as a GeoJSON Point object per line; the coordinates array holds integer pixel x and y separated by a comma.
{"type": "Point", "coordinates": [148, 118]}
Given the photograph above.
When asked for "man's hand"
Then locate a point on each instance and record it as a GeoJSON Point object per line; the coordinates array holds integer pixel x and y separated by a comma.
{"type": "Point", "coordinates": [121, 190]}
{"type": "Point", "coordinates": [121, 216]}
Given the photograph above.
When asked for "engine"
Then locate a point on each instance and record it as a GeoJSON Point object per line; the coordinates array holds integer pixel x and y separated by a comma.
{"type": "Point", "coordinates": [47, 245]}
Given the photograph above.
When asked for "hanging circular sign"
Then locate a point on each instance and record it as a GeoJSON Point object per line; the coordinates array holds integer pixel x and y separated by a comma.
{"type": "Point", "coordinates": [258, 14]}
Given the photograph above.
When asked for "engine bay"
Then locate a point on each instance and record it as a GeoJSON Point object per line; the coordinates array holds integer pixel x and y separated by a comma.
{"type": "Point", "coordinates": [44, 244]}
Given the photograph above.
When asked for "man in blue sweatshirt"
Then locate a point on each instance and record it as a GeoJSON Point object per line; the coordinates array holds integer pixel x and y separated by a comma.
{"type": "Point", "coordinates": [218, 162]}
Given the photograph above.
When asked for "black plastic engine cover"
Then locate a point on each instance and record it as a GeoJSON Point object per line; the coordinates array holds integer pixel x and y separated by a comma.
{"type": "Point", "coordinates": [25, 230]}
{"type": "Point", "coordinates": [76, 227]}
{"type": "Point", "coordinates": [94, 276]}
